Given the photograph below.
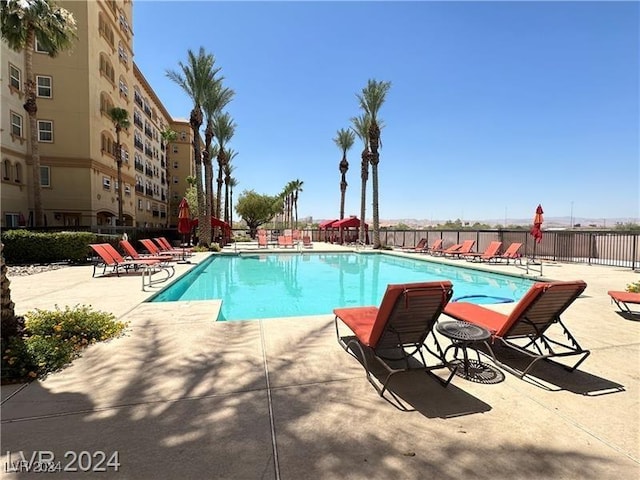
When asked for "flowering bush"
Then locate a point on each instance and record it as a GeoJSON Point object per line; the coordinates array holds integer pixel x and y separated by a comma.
{"type": "Point", "coordinates": [53, 338]}
{"type": "Point", "coordinates": [634, 287]}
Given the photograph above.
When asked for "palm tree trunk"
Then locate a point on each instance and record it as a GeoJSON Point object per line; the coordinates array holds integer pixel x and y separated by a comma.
{"type": "Point", "coordinates": [9, 322]}
{"type": "Point", "coordinates": [343, 190]}
{"type": "Point", "coordinates": [364, 175]}
{"type": "Point", "coordinates": [376, 218]}
{"type": "Point", "coordinates": [32, 109]}
{"type": "Point", "coordinates": [119, 165]}
{"type": "Point", "coordinates": [208, 192]}
{"type": "Point", "coordinates": [195, 121]}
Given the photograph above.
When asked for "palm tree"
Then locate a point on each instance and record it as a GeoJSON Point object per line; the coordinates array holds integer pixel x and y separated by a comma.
{"type": "Point", "coordinates": [168, 136]}
{"type": "Point", "coordinates": [216, 99]}
{"type": "Point", "coordinates": [228, 170]}
{"type": "Point", "coordinates": [54, 28]}
{"type": "Point", "coordinates": [344, 140]}
{"type": "Point", "coordinates": [120, 118]}
{"type": "Point", "coordinates": [233, 182]}
{"type": "Point", "coordinates": [223, 129]}
{"type": "Point", "coordinates": [371, 99]}
{"type": "Point", "coordinates": [297, 188]}
{"type": "Point", "coordinates": [196, 78]}
{"type": "Point", "coordinates": [361, 129]}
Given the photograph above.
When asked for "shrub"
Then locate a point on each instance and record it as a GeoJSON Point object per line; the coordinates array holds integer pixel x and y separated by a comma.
{"type": "Point", "coordinates": [24, 246]}
{"type": "Point", "coordinates": [53, 338]}
{"type": "Point", "coordinates": [634, 287]}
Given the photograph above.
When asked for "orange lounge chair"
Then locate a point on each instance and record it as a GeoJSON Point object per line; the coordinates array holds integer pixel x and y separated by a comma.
{"type": "Point", "coordinates": [417, 248]}
{"type": "Point", "coordinates": [117, 262]}
{"type": "Point", "coordinates": [525, 329]}
{"type": "Point", "coordinates": [285, 241]}
{"type": "Point", "coordinates": [490, 253]}
{"type": "Point", "coordinates": [153, 249]}
{"type": "Point", "coordinates": [511, 253]}
{"type": "Point", "coordinates": [134, 255]}
{"type": "Point", "coordinates": [168, 248]}
{"type": "Point", "coordinates": [167, 245]}
{"type": "Point", "coordinates": [465, 248]}
{"type": "Point", "coordinates": [436, 245]}
{"type": "Point", "coordinates": [624, 299]}
{"type": "Point", "coordinates": [306, 241]}
{"type": "Point", "coordinates": [398, 329]}
{"type": "Point", "coordinates": [443, 251]}
{"type": "Point", "coordinates": [156, 263]}
{"type": "Point", "coordinates": [262, 240]}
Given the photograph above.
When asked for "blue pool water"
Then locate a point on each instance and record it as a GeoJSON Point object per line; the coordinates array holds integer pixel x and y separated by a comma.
{"type": "Point", "coordinates": [297, 284]}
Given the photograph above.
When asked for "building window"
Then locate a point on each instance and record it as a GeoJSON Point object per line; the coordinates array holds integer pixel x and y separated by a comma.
{"type": "Point", "coordinates": [45, 176]}
{"type": "Point", "coordinates": [124, 90]}
{"type": "Point", "coordinates": [16, 125]}
{"type": "Point", "coordinates": [175, 164]}
{"type": "Point", "coordinates": [44, 88]}
{"type": "Point", "coordinates": [18, 178]}
{"type": "Point", "coordinates": [6, 170]}
{"type": "Point", "coordinates": [39, 48]}
{"type": "Point", "coordinates": [183, 135]}
{"type": "Point", "coordinates": [45, 131]}
{"type": "Point", "coordinates": [124, 58]}
{"type": "Point", "coordinates": [175, 180]}
{"type": "Point", "coordinates": [127, 190]}
{"type": "Point", "coordinates": [139, 204]}
{"type": "Point", "coordinates": [148, 206]}
{"type": "Point", "coordinates": [11, 219]}
{"type": "Point", "coordinates": [175, 149]}
{"type": "Point", "coordinates": [106, 183]}
{"type": "Point", "coordinates": [15, 77]}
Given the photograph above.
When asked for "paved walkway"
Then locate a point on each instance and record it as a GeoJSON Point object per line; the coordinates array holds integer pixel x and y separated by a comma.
{"type": "Point", "coordinates": [183, 396]}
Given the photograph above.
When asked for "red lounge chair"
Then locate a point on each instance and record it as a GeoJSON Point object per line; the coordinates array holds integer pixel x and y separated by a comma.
{"type": "Point", "coordinates": [285, 241]}
{"type": "Point", "coordinates": [117, 263]}
{"type": "Point", "coordinates": [525, 329]}
{"type": "Point", "coordinates": [397, 330]}
{"type": "Point", "coordinates": [465, 248]}
{"type": "Point", "coordinates": [443, 251]}
{"type": "Point", "coordinates": [436, 245]}
{"type": "Point", "coordinates": [167, 248]}
{"type": "Point", "coordinates": [417, 248]}
{"type": "Point", "coordinates": [134, 255]}
{"type": "Point", "coordinates": [510, 253]}
{"type": "Point", "coordinates": [153, 249]}
{"type": "Point", "coordinates": [306, 242]}
{"type": "Point", "coordinates": [167, 245]}
{"type": "Point", "coordinates": [490, 253]}
{"type": "Point", "coordinates": [262, 240]}
{"type": "Point", "coordinates": [624, 299]}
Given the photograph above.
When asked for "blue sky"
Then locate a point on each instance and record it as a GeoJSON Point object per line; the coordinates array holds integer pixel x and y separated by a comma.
{"type": "Point", "coordinates": [494, 106]}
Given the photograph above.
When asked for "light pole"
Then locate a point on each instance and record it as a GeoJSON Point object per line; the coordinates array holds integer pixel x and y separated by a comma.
{"type": "Point", "coordinates": [571, 224]}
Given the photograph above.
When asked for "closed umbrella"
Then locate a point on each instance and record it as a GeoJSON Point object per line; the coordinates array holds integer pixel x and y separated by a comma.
{"type": "Point", "coordinates": [184, 222]}
{"type": "Point", "coordinates": [536, 230]}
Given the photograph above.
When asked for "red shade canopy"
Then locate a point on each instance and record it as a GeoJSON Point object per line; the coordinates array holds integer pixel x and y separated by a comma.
{"type": "Point", "coordinates": [348, 222]}
{"type": "Point", "coordinates": [326, 224]}
{"type": "Point", "coordinates": [215, 222]}
{"type": "Point", "coordinates": [184, 217]}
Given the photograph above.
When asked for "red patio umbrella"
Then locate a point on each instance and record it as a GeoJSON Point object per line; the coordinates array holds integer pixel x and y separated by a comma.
{"type": "Point", "coordinates": [184, 222]}
{"type": "Point", "coordinates": [536, 230]}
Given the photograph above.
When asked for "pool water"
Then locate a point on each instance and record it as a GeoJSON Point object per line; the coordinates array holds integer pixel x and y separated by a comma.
{"type": "Point", "coordinates": [298, 284]}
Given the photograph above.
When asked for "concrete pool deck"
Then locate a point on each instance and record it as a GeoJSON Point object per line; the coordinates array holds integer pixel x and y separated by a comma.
{"type": "Point", "coordinates": [183, 396]}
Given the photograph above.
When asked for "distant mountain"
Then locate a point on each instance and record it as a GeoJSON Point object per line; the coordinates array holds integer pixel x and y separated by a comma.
{"type": "Point", "coordinates": [548, 221]}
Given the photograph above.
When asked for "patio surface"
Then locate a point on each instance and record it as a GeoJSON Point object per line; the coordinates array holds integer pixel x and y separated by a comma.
{"type": "Point", "coordinates": [183, 396]}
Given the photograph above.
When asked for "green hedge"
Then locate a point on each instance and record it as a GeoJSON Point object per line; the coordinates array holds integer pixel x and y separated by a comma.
{"type": "Point", "coordinates": [23, 246]}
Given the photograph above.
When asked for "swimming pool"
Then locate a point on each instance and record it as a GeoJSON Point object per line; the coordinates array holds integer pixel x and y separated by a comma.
{"type": "Point", "coordinates": [298, 284]}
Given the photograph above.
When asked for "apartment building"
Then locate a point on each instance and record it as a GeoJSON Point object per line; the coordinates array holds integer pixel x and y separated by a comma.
{"type": "Point", "coordinates": [77, 138]}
